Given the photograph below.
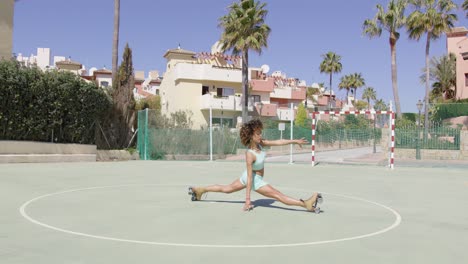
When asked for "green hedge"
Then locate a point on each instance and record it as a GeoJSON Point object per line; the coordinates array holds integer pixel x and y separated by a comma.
{"type": "Point", "coordinates": [443, 111]}
{"type": "Point", "coordinates": [51, 106]}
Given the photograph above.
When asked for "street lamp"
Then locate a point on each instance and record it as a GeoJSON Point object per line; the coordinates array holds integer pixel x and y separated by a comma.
{"type": "Point", "coordinates": [419, 105]}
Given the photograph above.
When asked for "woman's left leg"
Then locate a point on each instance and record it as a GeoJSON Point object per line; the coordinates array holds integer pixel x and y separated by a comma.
{"type": "Point", "coordinates": [235, 186]}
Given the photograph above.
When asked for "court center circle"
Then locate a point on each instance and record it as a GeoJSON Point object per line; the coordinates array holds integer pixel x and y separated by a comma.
{"type": "Point", "coordinates": [24, 206]}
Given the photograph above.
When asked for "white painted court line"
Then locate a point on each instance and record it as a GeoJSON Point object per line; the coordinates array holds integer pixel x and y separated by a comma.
{"type": "Point", "coordinates": [23, 212]}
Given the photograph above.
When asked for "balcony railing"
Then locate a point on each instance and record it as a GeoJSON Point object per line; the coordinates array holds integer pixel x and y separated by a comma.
{"type": "Point", "coordinates": [267, 85]}
{"type": "Point", "coordinates": [207, 72]}
{"type": "Point", "coordinates": [298, 93]}
{"type": "Point", "coordinates": [228, 103]}
{"type": "Point", "coordinates": [289, 93]}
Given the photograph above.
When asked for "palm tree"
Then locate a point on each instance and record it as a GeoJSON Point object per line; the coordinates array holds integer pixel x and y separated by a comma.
{"type": "Point", "coordinates": [245, 29]}
{"type": "Point", "coordinates": [391, 21]}
{"type": "Point", "coordinates": [369, 94]}
{"type": "Point", "coordinates": [310, 94]}
{"type": "Point", "coordinates": [433, 18]}
{"type": "Point", "coordinates": [331, 64]}
{"type": "Point", "coordinates": [345, 84]}
{"type": "Point", "coordinates": [380, 105]}
{"type": "Point", "coordinates": [465, 6]}
{"type": "Point", "coordinates": [443, 72]}
{"type": "Point", "coordinates": [357, 81]}
{"type": "Point", "coordinates": [115, 41]}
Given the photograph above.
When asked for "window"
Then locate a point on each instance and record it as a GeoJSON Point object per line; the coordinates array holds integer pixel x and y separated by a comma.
{"type": "Point", "coordinates": [205, 89]}
{"type": "Point", "coordinates": [104, 84]}
{"type": "Point", "coordinates": [466, 79]}
{"type": "Point", "coordinates": [223, 122]}
{"type": "Point", "coordinates": [256, 98]}
{"type": "Point", "coordinates": [224, 92]}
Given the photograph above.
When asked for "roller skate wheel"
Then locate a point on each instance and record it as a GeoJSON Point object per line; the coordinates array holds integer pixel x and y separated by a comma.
{"type": "Point", "coordinates": [194, 198]}
{"type": "Point", "coordinates": [190, 191]}
{"type": "Point", "coordinates": [317, 210]}
{"type": "Point", "coordinates": [320, 198]}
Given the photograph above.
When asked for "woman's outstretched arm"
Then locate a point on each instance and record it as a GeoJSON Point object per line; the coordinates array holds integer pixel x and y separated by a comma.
{"type": "Point", "coordinates": [282, 142]}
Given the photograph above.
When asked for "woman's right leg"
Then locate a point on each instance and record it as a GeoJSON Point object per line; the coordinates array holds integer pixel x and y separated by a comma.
{"type": "Point", "coordinates": [233, 187]}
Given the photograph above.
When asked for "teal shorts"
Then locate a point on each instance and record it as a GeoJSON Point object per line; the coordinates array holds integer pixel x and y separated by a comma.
{"type": "Point", "coordinates": [258, 181]}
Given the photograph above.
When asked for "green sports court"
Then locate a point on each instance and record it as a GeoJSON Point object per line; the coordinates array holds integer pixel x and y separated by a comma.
{"type": "Point", "coordinates": [140, 212]}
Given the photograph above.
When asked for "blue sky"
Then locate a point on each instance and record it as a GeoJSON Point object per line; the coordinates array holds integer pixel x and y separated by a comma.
{"type": "Point", "coordinates": [301, 32]}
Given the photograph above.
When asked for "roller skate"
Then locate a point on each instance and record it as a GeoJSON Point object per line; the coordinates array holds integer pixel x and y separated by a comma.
{"type": "Point", "coordinates": [311, 203]}
{"type": "Point", "coordinates": [196, 193]}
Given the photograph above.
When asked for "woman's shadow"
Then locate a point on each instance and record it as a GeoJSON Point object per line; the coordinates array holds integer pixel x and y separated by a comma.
{"type": "Point", "coordinates": [261, 203]}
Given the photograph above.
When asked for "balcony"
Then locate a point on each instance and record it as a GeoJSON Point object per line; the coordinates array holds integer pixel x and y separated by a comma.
{"type": "Point", "coordinates": [206, 72]}
{"type": "Point", "coordinates": [298, 93]}
{"type": "Point", "coordinates": [267, 85]}
{"type": "Point", "coordinates": [228, 103]}
{"type": "Point", "coordinates": [266, 109]}
{"type": "Point", "coordinates": [289, 93]}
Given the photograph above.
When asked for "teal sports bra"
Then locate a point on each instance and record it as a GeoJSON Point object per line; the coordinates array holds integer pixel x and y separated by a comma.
{"type": "Point", "coordinates": [259, 159]}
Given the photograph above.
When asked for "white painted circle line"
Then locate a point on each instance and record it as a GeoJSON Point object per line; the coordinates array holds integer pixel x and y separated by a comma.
{"type": "Point", "coordinates": [22, 210]}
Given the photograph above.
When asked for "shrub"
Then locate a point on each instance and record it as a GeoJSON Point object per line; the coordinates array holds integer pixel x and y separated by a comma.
{"type": "Point", "coordinates": [51, 106]}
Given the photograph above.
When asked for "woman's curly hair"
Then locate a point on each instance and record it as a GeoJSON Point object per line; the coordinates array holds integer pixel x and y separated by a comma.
{"type": "Point", "coordinates": [248, 129]}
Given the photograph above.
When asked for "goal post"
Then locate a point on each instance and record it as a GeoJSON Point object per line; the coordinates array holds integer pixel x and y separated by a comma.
{"type": "Point", "coordinates": [391, 126]}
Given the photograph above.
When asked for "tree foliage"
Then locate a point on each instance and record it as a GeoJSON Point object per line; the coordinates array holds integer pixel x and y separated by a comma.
{"type": "Point", "coordinates": [331, 64]}
{"type": "Point", "coordinates": [244, 29]}
{"type": "Point", "coordinates": [432, 18]}
{"type": "Point", "coordinates": [51, 106]}
{"type": "Point", "coordinates": [121, 123]}
{"type": "Point", "coordinates": [443, 73]}
{"type": "Point", "coordinates": [390, 20]}
{"type": "Point", "coordinates": [150, 102]}
{"type": "Point", "coordinates": [301, 116]}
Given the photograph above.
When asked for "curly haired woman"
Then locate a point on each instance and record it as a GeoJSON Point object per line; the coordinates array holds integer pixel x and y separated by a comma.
{"type": "Point", "coordinates": [252, 178]}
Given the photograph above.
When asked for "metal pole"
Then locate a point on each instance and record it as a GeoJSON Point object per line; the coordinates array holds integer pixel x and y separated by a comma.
{"type": "Point", "coordinates": [392, 149]}
{"type": "Point", "coordinates": [392, 135]}
{"type": "Point", "coordinates": [211, 133]}
{"type": "Point", "coordinates": [418, 147]}
{"type": "Point", "coordinates": [292, 130]}
{"type": "Point", "coordinates": [146, 134]}
{"type": "Point", "coordinates": [313, 139]}
{"type": "Point", "coordinates": [375, 148]}
{"type": "Point", "coordinates": [281, 137]}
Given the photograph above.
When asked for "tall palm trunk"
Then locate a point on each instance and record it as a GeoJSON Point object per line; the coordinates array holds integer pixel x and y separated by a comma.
{"type": "Point", "coordinates": [330, 94]}
{"type": "Point", "coordinates": [394, 76]}
{"type": "Point", "coordinates": [426, 98]}
{"type": "Point", "coordinates": [245, 85]}
{"type": "Point", "coordinates": [115, 41]}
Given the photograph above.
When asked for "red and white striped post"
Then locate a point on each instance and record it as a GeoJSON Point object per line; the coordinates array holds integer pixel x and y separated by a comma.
{"type": "Point", "coordinates": [313, 139]}
{"type": "Point", "coordinates": [392, 143]}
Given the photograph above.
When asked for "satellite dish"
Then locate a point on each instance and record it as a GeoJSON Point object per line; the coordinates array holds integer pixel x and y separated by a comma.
{"type": "Point", "coordinates": [216, 48]}
{"type": "Point", "coordinates": [265, 68]}
{"type": "Point", "coordinates": [92, 70]}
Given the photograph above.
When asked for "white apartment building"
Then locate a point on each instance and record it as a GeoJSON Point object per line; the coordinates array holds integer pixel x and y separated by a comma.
{"type": "Point", "coordinates": [198, 82]}
{"type": "Point", "coordinates": [44, 61]}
